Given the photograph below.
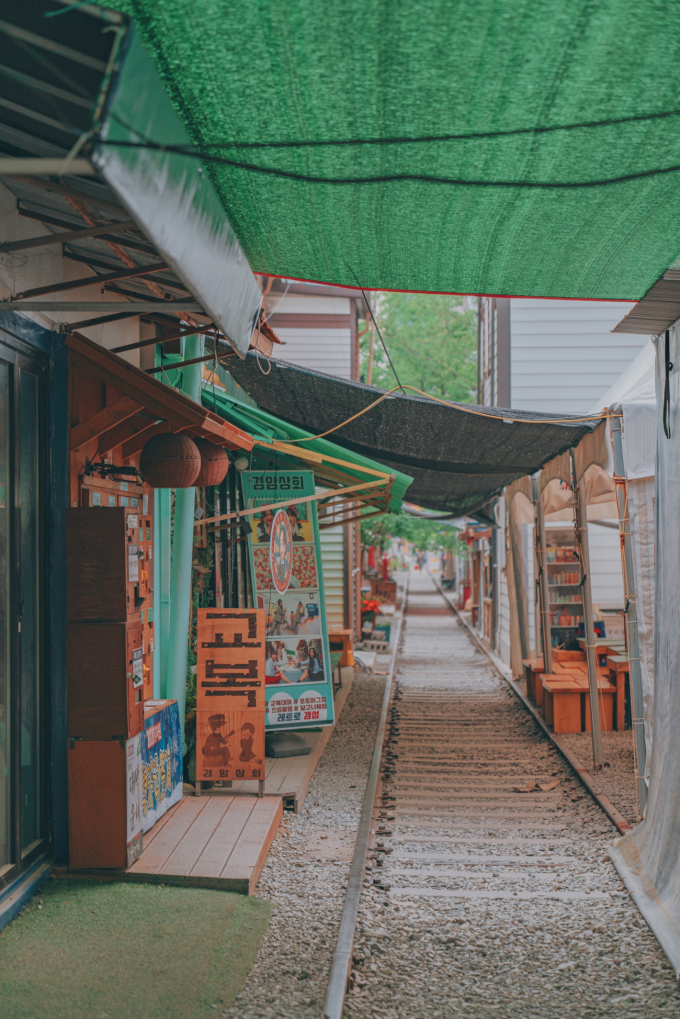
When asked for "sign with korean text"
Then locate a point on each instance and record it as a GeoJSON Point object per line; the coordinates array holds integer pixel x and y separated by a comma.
{"type": "Point", "coordinates": [161, 760]}
{"type": "Point", "coordinates": [230, 694]}
{"type": "Point", "coordinates": [288, 586]}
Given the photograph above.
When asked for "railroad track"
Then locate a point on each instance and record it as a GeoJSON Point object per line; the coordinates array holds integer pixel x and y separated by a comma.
{"type": "Point", "coordinates": [481, 898]}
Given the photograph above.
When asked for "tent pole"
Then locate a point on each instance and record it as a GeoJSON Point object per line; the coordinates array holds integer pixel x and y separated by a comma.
{"type": "Point", "coordinates": [520, 591]}
{"type": "Point", "coordinates": [182, 554]}
{"type": "Point", "coordinates": [161, 555]}
{"type": "Point", "coordinates": [635, 672]}
{"type": "Point", "coordinates": [543, 581]}
{"type": "Point", "coordinates": [589, 629]}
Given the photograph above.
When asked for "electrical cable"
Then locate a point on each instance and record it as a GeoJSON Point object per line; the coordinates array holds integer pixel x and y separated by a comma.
{"type": "Point", "coordinates": [391, 178]}
{"type": "Point", "coordinates": [463, 136]}
{"type": "Point", "coordinates": [462, 407]}
{"type": "Point", "coordinates": [377, 327]}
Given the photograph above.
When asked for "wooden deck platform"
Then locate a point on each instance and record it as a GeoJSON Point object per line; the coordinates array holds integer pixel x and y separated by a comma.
{"type": "Point", "coordinates": [209, 842]}
{"type": "Point", "coordinates": [221, 838]}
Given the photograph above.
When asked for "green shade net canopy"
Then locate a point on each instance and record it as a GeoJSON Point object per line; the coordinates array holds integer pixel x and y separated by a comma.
{"type": "Point", "coordinates": [473, 146]}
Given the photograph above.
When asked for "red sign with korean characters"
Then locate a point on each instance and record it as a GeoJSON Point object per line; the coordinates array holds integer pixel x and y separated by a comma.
{"type": "Point", "coordinates": [230, 695]}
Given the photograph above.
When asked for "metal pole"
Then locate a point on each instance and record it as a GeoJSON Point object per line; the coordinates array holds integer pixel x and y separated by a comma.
{"type": "Point", "coordinates": [581, 527]}
{"type": "Point", "coordinates": [634, 669]}
{"type": "Point", "coordinates": [543, 581]}
{"type": "Point", "coordinates": [518, 570]}
{"type": "Point", "coordinates": [182, 555]}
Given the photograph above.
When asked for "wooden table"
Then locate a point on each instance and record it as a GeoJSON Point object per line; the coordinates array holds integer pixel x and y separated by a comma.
{"type": "Point", "coordinates": [618, 675]}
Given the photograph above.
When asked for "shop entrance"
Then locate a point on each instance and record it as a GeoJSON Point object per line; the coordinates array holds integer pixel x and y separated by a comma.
{"type": "Point", "coordinates": [23, 474]}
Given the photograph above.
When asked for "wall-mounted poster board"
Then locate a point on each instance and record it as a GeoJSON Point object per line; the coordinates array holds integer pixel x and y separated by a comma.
{"type": "Point", "coordinates": [288, 585]}
{"type": "Point", "coordinates": [230, 703]}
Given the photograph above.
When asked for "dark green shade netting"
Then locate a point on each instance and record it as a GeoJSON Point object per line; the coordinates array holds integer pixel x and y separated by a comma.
{"type": "Point", "coordinates": [458, 455]}
{"type": "Point", "coordinates": [262, 71]}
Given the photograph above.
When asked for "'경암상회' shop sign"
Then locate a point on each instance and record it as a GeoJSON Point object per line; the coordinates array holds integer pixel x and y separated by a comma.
{"type": "Point", "coordinates": [288, 585]}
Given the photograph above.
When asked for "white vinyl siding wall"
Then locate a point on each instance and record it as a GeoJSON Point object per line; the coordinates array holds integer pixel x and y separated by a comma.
{"type": "Point", "coordinates": [563, 353]}
{"type": "Point", "coordinates": [333, 567]}
{"type": "Point", "coordinates": [324, 350]}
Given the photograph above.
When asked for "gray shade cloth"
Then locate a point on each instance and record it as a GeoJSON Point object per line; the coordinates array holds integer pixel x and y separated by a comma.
{"type": "Point", "coordinates": [458, 459]}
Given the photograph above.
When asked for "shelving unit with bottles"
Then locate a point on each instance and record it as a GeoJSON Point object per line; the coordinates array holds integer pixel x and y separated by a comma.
{"type": "Point", "coordinates": [564, 589]}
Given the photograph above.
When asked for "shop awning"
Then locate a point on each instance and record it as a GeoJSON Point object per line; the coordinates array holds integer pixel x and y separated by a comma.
{"type": "Point", "coordinates": [458, 455]}
{"type": "Point", "coordinates": [138, 407]}
{"type": "Point", "coordinates": [482, 146]}
{"type": "Point", "coordinates": [276, 443]}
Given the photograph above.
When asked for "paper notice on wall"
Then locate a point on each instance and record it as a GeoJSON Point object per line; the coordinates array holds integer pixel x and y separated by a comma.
{"type": "Point", "coordinates": [133, 767]}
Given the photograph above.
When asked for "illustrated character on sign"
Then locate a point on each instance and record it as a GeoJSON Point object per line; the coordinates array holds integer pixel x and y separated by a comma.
{"type": "Point", "coordinates": [264, 527]}
{"type": "Point", "coordinates": [216, 748]}
{"type": "Point", "coordinates": [295, 525]}
{"type": "Point", "coordinates": [247, 740]}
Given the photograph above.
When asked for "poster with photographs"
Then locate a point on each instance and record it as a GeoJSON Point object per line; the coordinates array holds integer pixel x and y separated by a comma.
{"type": "Point", "coordinates": [298, 682]}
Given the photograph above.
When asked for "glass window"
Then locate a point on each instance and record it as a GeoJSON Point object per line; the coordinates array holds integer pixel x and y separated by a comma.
{"type": "Point", "coordinates": [29, 615]}
{"type": "Point", "coordinates": [6, 854]}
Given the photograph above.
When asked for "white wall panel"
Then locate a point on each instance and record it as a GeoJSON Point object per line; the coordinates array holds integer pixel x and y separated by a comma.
{"type": "Point", "coordinates": [564, 354]}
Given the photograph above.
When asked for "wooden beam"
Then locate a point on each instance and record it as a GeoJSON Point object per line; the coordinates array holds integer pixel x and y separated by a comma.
{"type": "Point", "coordinates": [154, 396]}
{"type": "Point", "coordinates": [68, 236]}
{"type": "Point", "coordinates": [103, 421]}
{"type": "Point", "coordinates": [137, 442]}
{"type": "Point", "coordinates": [87, 281]}
{"type": "Point", "coordinates": [292, 501]}
{"type": "Point", "coordinates": [127, 429]}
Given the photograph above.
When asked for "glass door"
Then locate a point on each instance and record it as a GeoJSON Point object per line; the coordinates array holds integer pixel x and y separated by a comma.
{"type": "Point", "coordinates": [23, 818]}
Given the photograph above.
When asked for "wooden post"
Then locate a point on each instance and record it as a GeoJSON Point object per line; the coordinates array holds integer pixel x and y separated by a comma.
{"type": "Point", "coordinates": [520, 590]}
{"type": "Point", "coordinates": [581, 527]}
{"type": "Point", "coordinates": [544, 590]}
{"type": "Point", "coordinates": [634, 671]}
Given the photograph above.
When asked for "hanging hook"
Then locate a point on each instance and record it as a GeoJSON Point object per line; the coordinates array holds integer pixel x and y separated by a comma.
{"type": "Point", "coordinates": [668, 368]}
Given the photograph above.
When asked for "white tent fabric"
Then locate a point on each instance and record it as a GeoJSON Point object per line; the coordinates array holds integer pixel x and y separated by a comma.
{"type": "Point", "coordinates": [647, 858]}
{"type": "Point", "coordinates": [635, 392]}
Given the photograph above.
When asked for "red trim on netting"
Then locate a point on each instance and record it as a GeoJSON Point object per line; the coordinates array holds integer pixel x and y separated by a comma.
{"type": "Point", "coordinates": [453, 293]}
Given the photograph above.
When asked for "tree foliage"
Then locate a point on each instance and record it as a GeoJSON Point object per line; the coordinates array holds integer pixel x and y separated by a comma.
{"type": "Point", "coordinates": [423, 534]}
{"type": "Point", "coordinates": [432, 340]}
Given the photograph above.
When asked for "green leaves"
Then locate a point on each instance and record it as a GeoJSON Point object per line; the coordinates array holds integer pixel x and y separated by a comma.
{"type": "Point", "coordinates": [432, 340]}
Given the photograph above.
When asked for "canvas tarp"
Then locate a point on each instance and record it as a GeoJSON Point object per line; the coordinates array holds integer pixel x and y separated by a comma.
{"type": "Point", "coordinates": [458, 455]}
{"type": "Point", "coordinates": [435, 146]}
{"type": "Point", "coordinates": [647, 858]}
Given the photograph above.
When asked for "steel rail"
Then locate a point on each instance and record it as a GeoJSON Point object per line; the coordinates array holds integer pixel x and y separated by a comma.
{"type": "Point", "coordinates": [582, 773]}
{"type": "Point", "coordinates": [342, 957]}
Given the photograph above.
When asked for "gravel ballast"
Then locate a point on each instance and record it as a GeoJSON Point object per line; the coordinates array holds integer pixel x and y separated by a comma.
{"type": "Point", "coordinates": [483, 901]}
{"type": "Point", "coordinates": [308, 866]}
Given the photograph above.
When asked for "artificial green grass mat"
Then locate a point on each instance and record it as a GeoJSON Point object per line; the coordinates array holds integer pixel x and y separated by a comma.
{"type": "Point", "coordinates": [128, 951]}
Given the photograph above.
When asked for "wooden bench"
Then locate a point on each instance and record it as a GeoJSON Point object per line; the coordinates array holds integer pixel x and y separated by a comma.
{"type": "Point", "coordinates": [606, 694]}
{"type": "Point", "coordinates": [532, 667]}
{"type": "Point", "coordinates": [342, 640]}
{"type": "Point", "coordinates": [563, 702]}
{"type": "Point", "coordinates": [618, 669]}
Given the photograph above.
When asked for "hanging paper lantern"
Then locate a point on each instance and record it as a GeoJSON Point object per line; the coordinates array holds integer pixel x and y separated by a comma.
{"type": "Point", "coordinates": [214, 463]}
{"type": "Point", "coordinates": [170, 461]}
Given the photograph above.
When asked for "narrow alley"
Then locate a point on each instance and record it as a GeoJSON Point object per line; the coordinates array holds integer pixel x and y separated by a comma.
{"type": "Point", "coordinates": [490, 900]}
